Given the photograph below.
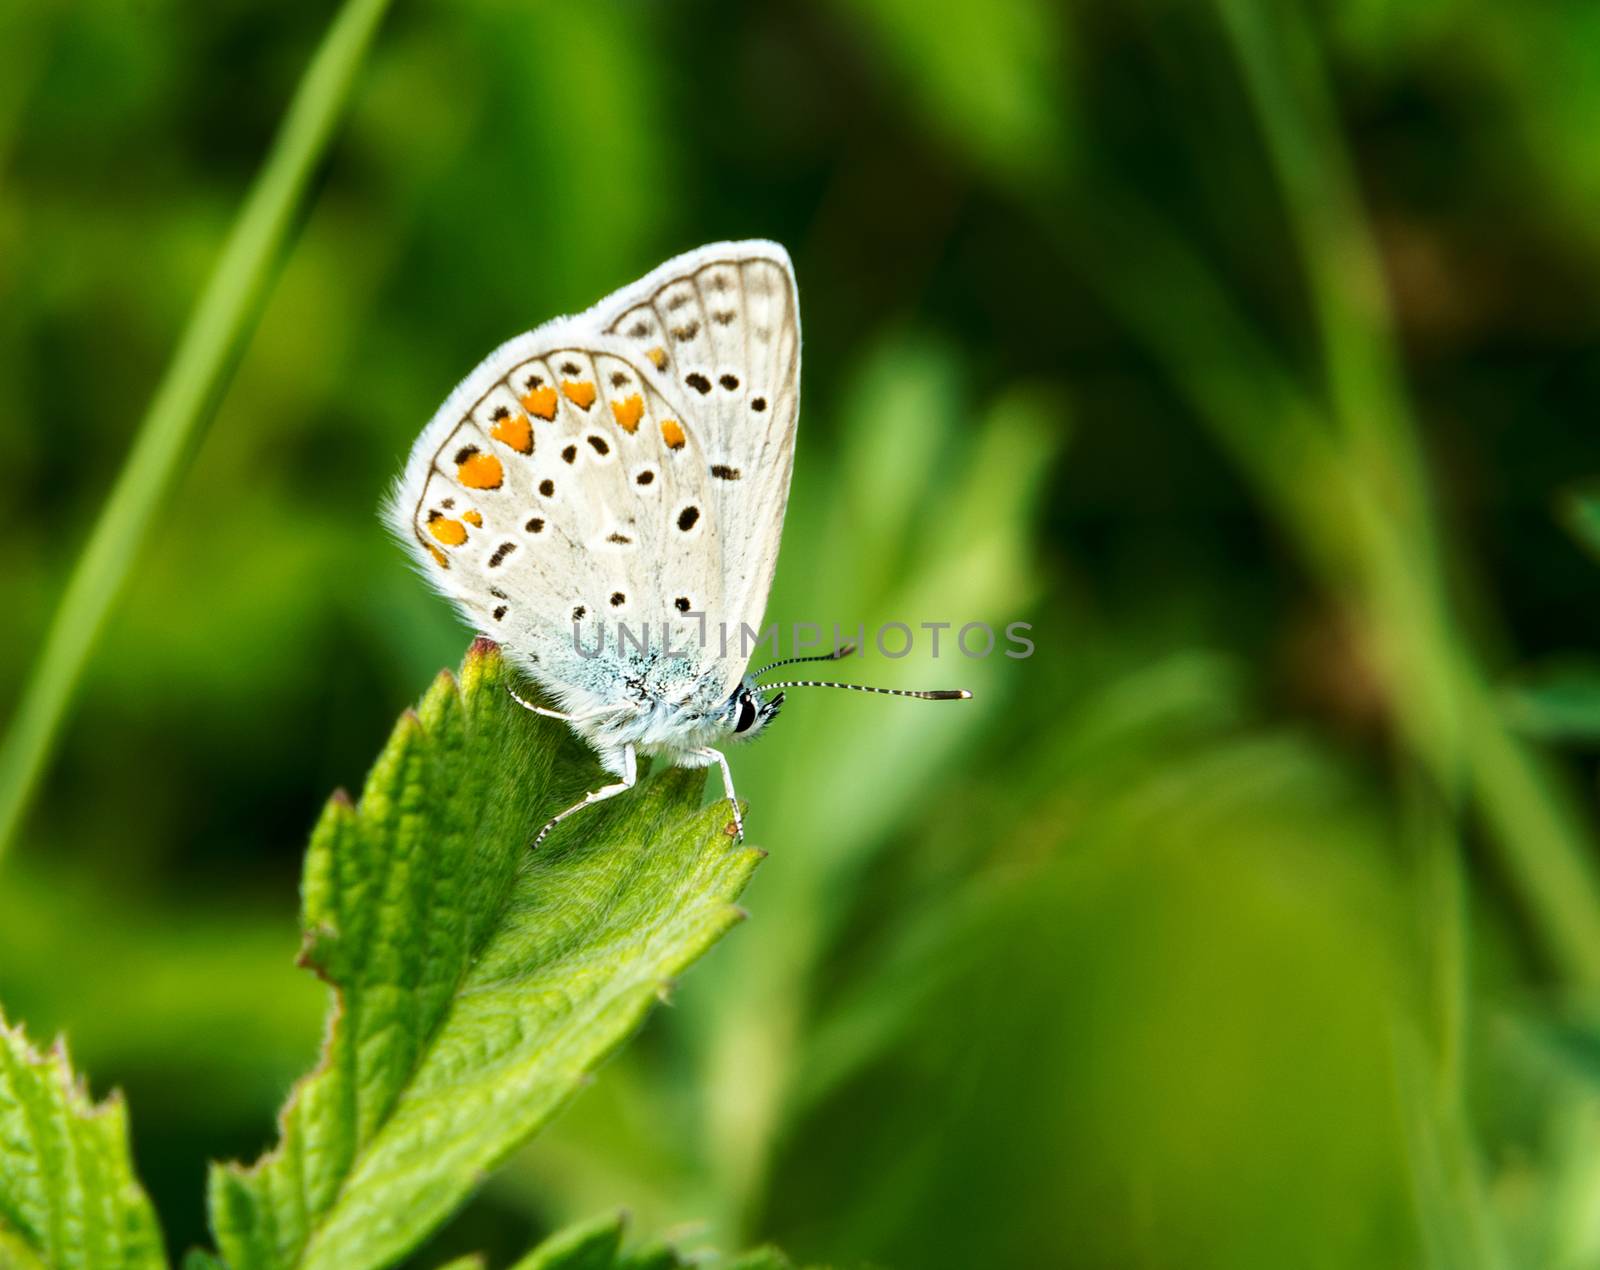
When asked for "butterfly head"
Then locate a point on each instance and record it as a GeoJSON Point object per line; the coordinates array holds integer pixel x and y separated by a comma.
{"type": "Point", "coordinates": [747, 711]}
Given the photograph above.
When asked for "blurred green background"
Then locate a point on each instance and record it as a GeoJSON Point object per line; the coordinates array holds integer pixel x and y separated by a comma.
{"type": "Point", "coordinates": [1248, 349]}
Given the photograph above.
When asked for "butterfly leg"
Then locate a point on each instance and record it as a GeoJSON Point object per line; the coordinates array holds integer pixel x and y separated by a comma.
{"type": "Point", "coordinates": [630, 775]}
{"type": "Point", "coordinates": [721, 760]}
{"type": "Point", "coordinates": [528, 705]}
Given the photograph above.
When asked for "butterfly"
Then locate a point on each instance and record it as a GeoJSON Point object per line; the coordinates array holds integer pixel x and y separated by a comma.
{"type": "Point", "coordinates": [627, 468]}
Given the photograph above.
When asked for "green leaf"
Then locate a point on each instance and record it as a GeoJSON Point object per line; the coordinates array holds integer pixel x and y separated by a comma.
{"type": "Point", "coordinates": [596, 1244]}
{"type": "Point", "coordinates": [656, 1256]}
{"type": "Point", "coordinates": [590, 1245]}
{"type": "Point", "coordinates": [1581, 511]}
{"type": "Point", "coordinates": [765, 1258]}
{"type": "Point", "coordinates": [1559, 701]}
{"type": "Point", "coordinates": [68, 1196]}
{"type": "Point", "coordinates": [477, 984]}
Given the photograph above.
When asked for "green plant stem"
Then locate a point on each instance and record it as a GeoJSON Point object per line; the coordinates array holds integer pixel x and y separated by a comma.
{"type": "Point", "coordinates": [1444, 702]}
{"type": "Point", "coordinates": [1399, 568]}
{"type": "Point", "coordinates": [1293, 103]}
{"type": "Point", "coordinates": [1362, 524]}
{"type": "Point", "coordinates": [185, 400]}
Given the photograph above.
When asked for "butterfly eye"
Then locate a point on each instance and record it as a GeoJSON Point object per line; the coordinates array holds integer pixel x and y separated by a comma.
{"type": "Point", "coordinates": [747, 715]}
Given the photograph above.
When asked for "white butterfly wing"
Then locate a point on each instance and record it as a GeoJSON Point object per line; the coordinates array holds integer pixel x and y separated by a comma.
{"type": "Point", "coordinates": [720, 329]}
{"type": "Point", "coordinates": [580, 474]}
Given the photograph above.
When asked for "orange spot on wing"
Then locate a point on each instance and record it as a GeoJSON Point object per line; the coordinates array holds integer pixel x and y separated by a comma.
{"type": "Point", "coordinates": [473, 518]}
{"type": "Point", "coordinates": [629, 412]}
{"type": "Point", "coordinates": [480, 471]}
{"type": "Point", "coordinates": [516, 431]}
{"type": "Point", "coordinates": [450, 532]}
{"type": "Point", "coordinates": [579, 392]}
{"type": "Point", "coordinates": [672, 434]}
{"type": "Point", "coordinates": [541, 402]}
{"type": "Point", "coordinates": [658, 358]}
{"type": "Point", "coordinates": [438, 556]}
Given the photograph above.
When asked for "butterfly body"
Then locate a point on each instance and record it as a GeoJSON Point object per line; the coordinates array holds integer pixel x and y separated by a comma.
{"type": "Point", "coordinates": [657, 725]}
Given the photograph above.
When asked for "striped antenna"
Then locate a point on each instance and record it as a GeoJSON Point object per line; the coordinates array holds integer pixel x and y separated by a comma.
{"type": "Point", "coordinates": [935, 694]}
{"type": "Point", "coordinates": [838, 654]}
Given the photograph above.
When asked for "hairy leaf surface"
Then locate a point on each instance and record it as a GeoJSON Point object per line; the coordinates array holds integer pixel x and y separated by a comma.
{"type": "Point", "coordinates": [68, 1196]}
{"type": "Point", "coordinates": [477, 984]}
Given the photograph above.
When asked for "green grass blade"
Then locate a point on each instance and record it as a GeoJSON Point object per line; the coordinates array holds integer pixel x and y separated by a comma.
{"type": "Point", "coordinates": [68, 1196]}
{"type": "Point", "coordinates": [1442, 698]}
{"type": "Point", "coordinates": [185, 399]}
{"type": "Point", "coordinates": [477, 985]}
{"type": "Point", "coordinates": [1281, 71]}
